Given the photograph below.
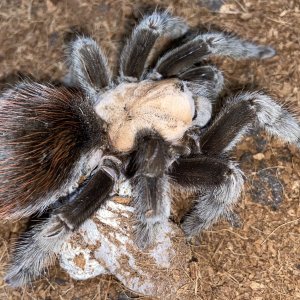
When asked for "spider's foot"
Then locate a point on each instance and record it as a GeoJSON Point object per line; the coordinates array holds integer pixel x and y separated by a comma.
{"type": "Point", "coordinates": [265, 52]}
{"type": "Point", "coordinates": [145, 235]}
{"type": "Point", "coordinates": [18, 276]}
{"type": "Point", "coordinates": [233, 219]}
{"type": "Point", "coordinates": [28, 263]}
{"type": "Point", "coordinates": [193, 225]}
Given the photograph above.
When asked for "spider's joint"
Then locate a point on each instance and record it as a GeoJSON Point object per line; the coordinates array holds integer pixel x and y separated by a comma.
{"type": "Point", "coordinates": [65, 222]}
{"type": "Point", "coordinates": [129, 79]}
{"type": "Point", "coordinates": [153, 75]}
{"type": "Point", "coordinates": [164, 23]}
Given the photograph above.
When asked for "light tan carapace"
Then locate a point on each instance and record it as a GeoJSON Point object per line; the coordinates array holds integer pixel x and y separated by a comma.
{"type": "Point", "coordinates": [160, 105]}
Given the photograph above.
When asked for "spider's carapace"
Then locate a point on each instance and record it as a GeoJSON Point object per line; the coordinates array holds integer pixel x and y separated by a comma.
{"type": "Point", "coordinates": [165, 106]}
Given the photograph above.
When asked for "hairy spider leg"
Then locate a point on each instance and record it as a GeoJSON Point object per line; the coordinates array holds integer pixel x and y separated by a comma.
{"type": "Point", "coordinates": [136, 51]}
{"type": "Point", "coordinates": [243, 112]}
{"type": "Point", "coordinates": [218, 183]}
{"type": "Point", "coordinates": [239, 114]}
{"type": "Point", "coordinates": [205, 83]}
{"type": "Point", "coordinates": [150, 187]}
{"type": "Point", "coordinates": [36, 247]}
{"type": "Point", "coordinates": [88, 67]}
{"type": "Point", "coordinates": [205, 45]}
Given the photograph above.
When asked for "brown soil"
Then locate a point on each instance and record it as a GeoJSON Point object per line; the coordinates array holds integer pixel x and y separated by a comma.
{"type": "Point", "coordinates": [260, 260]}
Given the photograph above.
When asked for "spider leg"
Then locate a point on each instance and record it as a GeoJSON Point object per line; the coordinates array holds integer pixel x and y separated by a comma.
{"type": "Point", "coordinates": [34, 251]}
{"type": "Point", "coordinates": [205, 45]}
{"type": "Point", "coordinates": [205, 83]}
{"type": "Point", "coordinates": [88, 67]}
{"type": "Point", "coordinates": [243, 112]}
{"type": "Point", "coordinates": [219, 183]}
{"type": "Point", "coordinates": [37, 247]}
{"type": "Point", "coordinates": [142, 40]}
{"type": "Point", "coordinates": [150, 186]}
{"type": "Point", "coordinates": [233, 219]}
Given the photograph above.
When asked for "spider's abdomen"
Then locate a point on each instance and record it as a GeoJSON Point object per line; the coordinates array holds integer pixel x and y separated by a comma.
{"type": "Point", "coordinates": [165, 106]}
{"type": "Point", "coordinates": [44, 131]}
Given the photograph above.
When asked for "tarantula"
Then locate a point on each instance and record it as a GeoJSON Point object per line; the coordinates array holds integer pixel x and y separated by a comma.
{"type": "Point", "coordinates": [63, 148]}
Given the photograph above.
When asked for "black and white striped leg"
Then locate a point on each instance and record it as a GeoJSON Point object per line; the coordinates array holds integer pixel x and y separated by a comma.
{"type": "Point", "coordinates": [219, 183]}
{"type": "Point", "coordinates": [150, 186]}
{"type": "Point", "coordinates": [88, 67]}
{"type": "Point", "coordinates": [142, 40]}
{"type": "Point", "coordinates": [245, 111]}
{"type": "Point", "coordinates": [37, 247]}
{"type": "Point", "coordinates": [204, 45]}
